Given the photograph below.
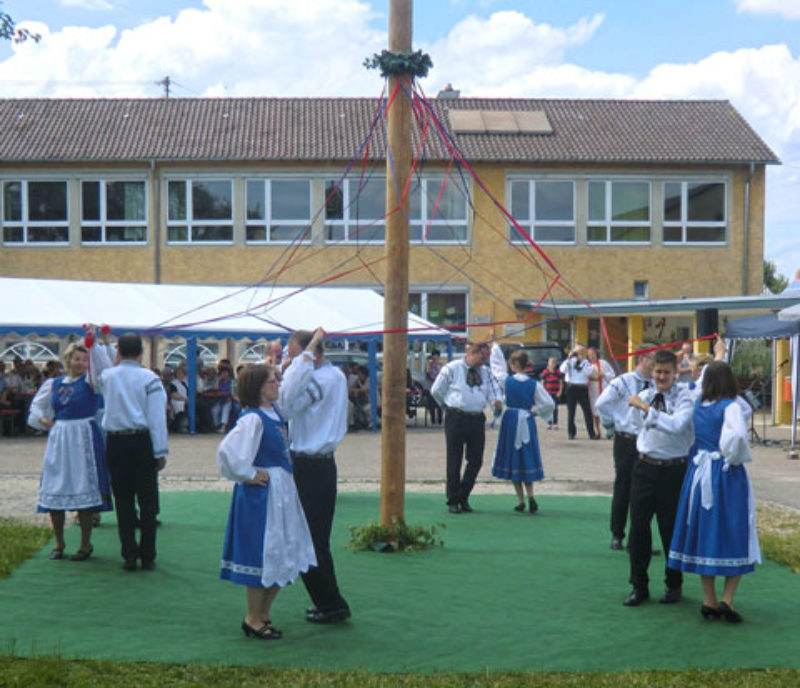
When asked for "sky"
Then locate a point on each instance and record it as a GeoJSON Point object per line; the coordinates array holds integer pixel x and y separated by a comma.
{"type": "Point", "coordinates": [744, 51]}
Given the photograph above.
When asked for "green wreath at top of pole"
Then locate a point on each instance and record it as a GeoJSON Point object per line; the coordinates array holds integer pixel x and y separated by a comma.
{"type": "Point", "coordinates": [390, 63]}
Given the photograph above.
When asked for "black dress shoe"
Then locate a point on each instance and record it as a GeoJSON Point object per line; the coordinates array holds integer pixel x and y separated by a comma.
{"type": "Point", "coordinates": [148, 566]}
{"type": "Point", "coordinates": [266, 632]}
{"type": "Point", "coordinates": [520, 507]}
{"type": "Point", "coordinates": [636, 598]}
{"type": "Point", "coordinates": [709, 612]}
{"type": "Point", "coordinates": [465, 507]}
{"type": "Point", "coordinates": [454, 508]}
{"type": "Point", "coordinates": [330, 616]}
{"type": "Point", "coordinates": [729, 614]}
{"type": "Point", "coordinates": [671, 596]}
{"type": "Point", "coordinates": [532, 505]}
{"type": "Point", "coordinates": [129, 565]}
{"type": "Point", "coordinates": [616, 543]}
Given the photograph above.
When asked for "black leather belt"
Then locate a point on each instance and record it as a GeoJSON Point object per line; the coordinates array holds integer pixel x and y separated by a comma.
{"type": "Point", "coordinates": [625, 435]}
{"type": "Point", "coordinates": [662, 462]}
{"type": "Point", "coordinates": [303, 455]}
{"type": "Point", "coordinates": [465, 413]}
{"type": "Point", "coordinates": [134, 431]}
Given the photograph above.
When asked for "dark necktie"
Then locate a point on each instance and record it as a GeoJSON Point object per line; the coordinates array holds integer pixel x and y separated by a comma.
{"type": "Point", "coordinates": [645, 384]}
{"type": "Point", "coordinates": [473, 377]}
{"type": "Point", "coordinates": [658, 402]}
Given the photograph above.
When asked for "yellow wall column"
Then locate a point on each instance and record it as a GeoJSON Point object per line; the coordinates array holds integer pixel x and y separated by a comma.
{"type": "Point", "coordinates": [581, 330]}
{"type": "Point", "coordinates": [782, 403]}
{"type": "Point", "coordinates": [635, 334]}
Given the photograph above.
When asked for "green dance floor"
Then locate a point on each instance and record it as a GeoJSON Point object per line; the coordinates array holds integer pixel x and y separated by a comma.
{"type": "Point", "coordinates": [508, 591]}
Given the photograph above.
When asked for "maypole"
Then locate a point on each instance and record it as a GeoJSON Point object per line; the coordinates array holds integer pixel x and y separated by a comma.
{"type": "Point", "coordinates": [395, 306]}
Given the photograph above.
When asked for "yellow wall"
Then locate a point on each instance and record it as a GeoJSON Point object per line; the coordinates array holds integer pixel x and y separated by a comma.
{"type": "Point", "coordinates": [506, 272]}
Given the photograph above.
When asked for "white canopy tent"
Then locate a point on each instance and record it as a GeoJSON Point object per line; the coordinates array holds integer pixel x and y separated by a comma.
{"type": "Point", "coordinates": [60, 307]}
{"type": "Point", "coordinates": [39, 306]}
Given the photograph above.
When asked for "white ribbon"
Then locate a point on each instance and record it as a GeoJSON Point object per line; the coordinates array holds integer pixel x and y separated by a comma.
{"type": "Point", "coordinates": [288, 550]}
{"type": "Point", "coordinates": [523, 434]}
{"type": "Point", "coordinates": [702, 476]}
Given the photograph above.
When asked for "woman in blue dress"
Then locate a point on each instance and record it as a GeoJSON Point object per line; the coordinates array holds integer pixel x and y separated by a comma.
{"type": "Point", "coordinates": [517, 457]}
{"type": "Point", "coordinates": [715, 527]}
{"type": "Point", "coordinates": [74, 472]}
{"type": "Point", "coordinates": [267, 541]}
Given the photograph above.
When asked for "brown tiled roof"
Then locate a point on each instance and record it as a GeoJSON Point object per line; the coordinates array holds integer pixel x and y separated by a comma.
{"type": "Point", "coordinates": [318, 129]}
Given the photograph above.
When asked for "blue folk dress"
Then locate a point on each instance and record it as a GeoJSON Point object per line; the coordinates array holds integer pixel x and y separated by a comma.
{"type": "Point", "coordinates": [715, 527]}
{"type": "Point", "coordinates": [74, 471]}
{"type": "Point", "coordinates": [267, 541]}
{"type": "Point", "coordinates": [517, 457]}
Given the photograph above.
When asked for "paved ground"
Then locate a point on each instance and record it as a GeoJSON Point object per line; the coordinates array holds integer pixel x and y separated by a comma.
{"type": "Point", "coordinates": [578, 466]}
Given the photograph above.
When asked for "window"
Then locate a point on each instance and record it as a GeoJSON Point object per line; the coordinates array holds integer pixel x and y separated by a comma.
{"type": "Point", "coordinates": [618, 212]}
{"type": "Point", "coordinates": [278, 210]}
{"type": "Point", "coordinates": [200, 211]}
{"type": "Point", "coordinates": [694, 212]}
{"type": "Point", "coordinates": [113, 211]}
{"type": "Point", "coordinates": [437, 212]}
{"type": "Point", "coordinates": [445, 308]}
{"type": "Point", "coordinates": [35, 212]}
{"type": "Point", "coordinates": [641, 290]}
{"type": "Point", "coordinates": [544, 209]}
{"type": "Point", "coordinates": [355, 210]}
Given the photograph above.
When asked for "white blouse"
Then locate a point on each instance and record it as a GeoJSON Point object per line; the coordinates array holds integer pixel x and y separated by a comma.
{"type": "Point", "coordinates": [239, 447]}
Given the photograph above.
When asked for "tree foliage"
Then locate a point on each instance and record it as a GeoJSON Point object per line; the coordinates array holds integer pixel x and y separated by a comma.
{"type": "Point", "coordinates": [773, 280]}
{"type": "Point", "coordinates": [9, 31]}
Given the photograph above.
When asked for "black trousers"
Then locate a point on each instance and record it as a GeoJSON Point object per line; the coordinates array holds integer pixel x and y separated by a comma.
{"type": "Point", "coordinates": [315, 478]}
{"type": "Point", "coordinates": [134, 478]}
{"type": "Point", "coordinates": [625, 457]}
{"type": "Point", "coordinates": [463, 431]}
{"type": "Point", "coordinates": [555, 409]}
{"type": "Point", "coordinates": [655, 490]}
{"type": "Point", "coordinates": [579, 395]}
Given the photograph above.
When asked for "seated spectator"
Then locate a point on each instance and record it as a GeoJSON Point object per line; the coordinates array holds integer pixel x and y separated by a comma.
{"type": "Point", "coordinates": [178, 395]}
{"type": "Point", "coordinates": [358, 393]}
{"type": "Point", "coordinates": [220, 411]}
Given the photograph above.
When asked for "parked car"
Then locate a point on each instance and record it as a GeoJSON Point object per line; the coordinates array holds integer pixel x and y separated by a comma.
{"type": "Point", "coordinates": [538, 354]}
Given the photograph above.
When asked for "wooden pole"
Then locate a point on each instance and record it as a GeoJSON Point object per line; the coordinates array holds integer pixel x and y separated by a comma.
{"type": "Point", "coordinates": [395, 306]}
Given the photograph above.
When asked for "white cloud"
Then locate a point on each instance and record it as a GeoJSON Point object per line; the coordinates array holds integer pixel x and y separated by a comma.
{"type": "Point", "coordinates": [498, 49]}
{"type": "Point", "coordinates": [316, 48]}
{"type": "Point", "coordinates": [230, 47]}
{"type": "Point", "coordinates": [88, 4]}
{"type": "Point", "coordinates": [789, 9]}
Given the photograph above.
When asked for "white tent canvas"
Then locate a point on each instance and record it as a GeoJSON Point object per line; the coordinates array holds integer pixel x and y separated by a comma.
{"type": "Point", "coordinates": [55, 306]}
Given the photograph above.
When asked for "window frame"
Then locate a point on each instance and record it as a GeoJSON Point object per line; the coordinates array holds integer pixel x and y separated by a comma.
{"type": "Point", "coordinates": [25, 223]}
{"type": "Point", "coordinates": [425, 223]}
{"type": "Point", "coordinates": [267, 222]}
{"type": "Point", "coordinates": [189, 221]}
{"type": "Point", "coordinates": [608, 223]}
{"type": "Point", "coordinates": [103, 222]}
{"type": "Point", "coordinates": [420, 222]}
{"type": "Point", "coordinates": [349, 225]}
{"type": "Point", "coordinates": [531, 223]}
{"type": "Point", "coordinates": [684, 223]}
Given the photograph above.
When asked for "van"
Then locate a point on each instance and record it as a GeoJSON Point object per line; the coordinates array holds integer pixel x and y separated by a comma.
{"type": "Point", "coordinates": [538, 354]}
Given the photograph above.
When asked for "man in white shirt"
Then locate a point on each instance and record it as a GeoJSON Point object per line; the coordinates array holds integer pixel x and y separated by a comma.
{"type": "Point", "coordinates": [663, 445]}
{"type": "Point", "coordinates": [135, 422]}
{"type": "Point", "coordinates": [463, 388]}
{"type": "Point", "coordinates": [576, 370]}
{"type": "Point", "coordinates": [614, 411]}
{"type": "Point", "coordinates": [313, 396]}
